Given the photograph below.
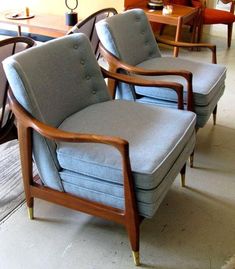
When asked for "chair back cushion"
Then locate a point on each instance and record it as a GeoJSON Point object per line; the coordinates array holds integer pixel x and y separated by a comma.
{"type": "Point", "coordinates": [128, 36]}
{"type": "Point", "coordinates": [53, 81]}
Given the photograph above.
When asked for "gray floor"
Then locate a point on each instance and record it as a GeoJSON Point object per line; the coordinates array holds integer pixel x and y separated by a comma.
{"type": "Point", "coordinates": [194, 227]}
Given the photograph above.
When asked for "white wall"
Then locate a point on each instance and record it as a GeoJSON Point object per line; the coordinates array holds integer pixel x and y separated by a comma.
{"type": "Point", "coordinates": [85, 7]}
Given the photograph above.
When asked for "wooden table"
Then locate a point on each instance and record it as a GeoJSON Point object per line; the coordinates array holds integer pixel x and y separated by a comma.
{"type": "Point", "coordinates": [42, 24]}
{"type": "Point", "coordinates": [179, 16]}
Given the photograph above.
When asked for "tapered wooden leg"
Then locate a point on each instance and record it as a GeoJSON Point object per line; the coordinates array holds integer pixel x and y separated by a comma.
{"type": "Point", "coordinates": [191, 159]}
{"type": "Point", "coordinates": [230, 30]}
{"type": "Point", "coordinates": [134, 234]}
{"type": "Point", "coordinates": [24, 135]}
{"type": "Point", "coordinates": [30, 213]}
{"type": "Point", "coordinates": [182, 172]}
{"type": "Point", "coordinates": [214, 115]}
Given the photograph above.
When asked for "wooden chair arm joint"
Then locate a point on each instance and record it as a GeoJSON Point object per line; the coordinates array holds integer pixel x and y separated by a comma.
{"type": "Point", "coordinates": [53, 133]}
{"type": "Point", "coordinates": [209, 46]}
{"type": "Point", "coordinates": [135, 80]}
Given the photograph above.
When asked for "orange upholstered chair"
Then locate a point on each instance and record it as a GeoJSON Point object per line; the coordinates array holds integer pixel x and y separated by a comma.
{"type": "Point", "coordinates": [217, 16]}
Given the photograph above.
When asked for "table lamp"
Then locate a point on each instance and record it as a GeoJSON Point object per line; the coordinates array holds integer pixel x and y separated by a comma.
{"type": "Point", "coordinates": [155, 4]}
{"type": "Point", "coordinates": [71, 18]}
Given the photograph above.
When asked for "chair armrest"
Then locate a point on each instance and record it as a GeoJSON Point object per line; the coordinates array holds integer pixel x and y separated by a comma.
{"type": "Point", "coordinates": [115, 65]}
{"type": "Point", "coordinates": [211, 47]}
{"type": "Point", "coordinates": [177, 87]}
{"type": "Point", "coordinates": [53, 133]}
{"type": "Point", "coordinates": [26, 122]}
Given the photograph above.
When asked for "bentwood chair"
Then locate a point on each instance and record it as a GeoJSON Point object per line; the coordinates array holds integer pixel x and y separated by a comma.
{"type": "Point", "coordinates": [129, 45]}
{"type": "Point", "coordinates": [87, 27]}
{"type": "Point", "coordinates": [109, 158]}
{"type": "Point", "coordinates": [9, 46]}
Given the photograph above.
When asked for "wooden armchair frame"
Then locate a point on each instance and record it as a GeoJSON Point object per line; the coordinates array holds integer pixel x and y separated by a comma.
{"type": "Point", "coordinates": [116, 65]}
{"type": "Point", "coordinates": [129, 216]}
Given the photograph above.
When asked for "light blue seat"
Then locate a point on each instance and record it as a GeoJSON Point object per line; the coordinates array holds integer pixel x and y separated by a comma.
{"type": "Point", "coordinates": [129, 37]}
{"type": "Point", "coordinates": [126, 154]}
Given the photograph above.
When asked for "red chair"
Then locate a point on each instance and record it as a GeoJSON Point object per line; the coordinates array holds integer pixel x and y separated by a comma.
{"type": "Point", "coordinates": [217, 16]}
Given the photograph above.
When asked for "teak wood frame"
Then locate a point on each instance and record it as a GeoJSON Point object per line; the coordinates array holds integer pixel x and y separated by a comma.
{"type": "Point", "coordinates": [128, 217]}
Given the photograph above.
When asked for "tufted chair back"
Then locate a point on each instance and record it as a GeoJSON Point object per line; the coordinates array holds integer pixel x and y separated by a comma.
{"type": "Point", "coordinates": [49, 97]}
{"type": "Point", "coordinates": [117, 42]}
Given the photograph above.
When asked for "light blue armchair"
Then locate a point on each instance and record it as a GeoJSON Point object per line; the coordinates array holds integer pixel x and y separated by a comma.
{"type": "Point", "coordinates": [109, 158]}
{"type": "Point", "coordinates": [129, 46]}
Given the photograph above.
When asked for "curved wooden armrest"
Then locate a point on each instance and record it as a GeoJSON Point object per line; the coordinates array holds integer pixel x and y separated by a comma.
{"type": "Point", "coordinates": [115, 64]}
{"type": "Point", "coordinates": [56, 134]}
{"type": "Point", "coordinates": [211, 47]}
{"type": "Point", "coordinates": [177, 87]}
{"type": "Point", "coordinates": [26, 122]}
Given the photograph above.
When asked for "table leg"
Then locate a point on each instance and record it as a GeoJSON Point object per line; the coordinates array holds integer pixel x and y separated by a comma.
{"type": "Point", "coordinates": [19, 30]}
{"type": "Point", "coordinates": [194, 27]}
{"type": "Point", "coordinates": [178, 35]}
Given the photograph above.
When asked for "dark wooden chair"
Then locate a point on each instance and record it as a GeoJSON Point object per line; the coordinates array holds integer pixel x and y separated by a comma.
{"type": "Point", "coordinates": [9, 47]}
{"type": "Point", "coordinates": [87, 27]}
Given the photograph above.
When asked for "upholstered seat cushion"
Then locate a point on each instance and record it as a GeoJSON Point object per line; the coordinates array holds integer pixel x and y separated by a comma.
{"type": "Point", "coordinates": [208, 79]}
{"type": "Point", "coordinates": [159, 141]}
{"type": "Point", "coordinates": [216, 16]}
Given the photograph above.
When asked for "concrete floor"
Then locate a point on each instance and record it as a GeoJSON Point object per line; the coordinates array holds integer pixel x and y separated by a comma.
{"type": "Point", "coordinates": [194, 227]}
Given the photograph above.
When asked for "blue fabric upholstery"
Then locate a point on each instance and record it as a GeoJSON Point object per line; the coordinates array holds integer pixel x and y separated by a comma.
{"type": "Point", "coordinates": [164, 137]}
{"type": "Point", "coordinates": [132, 41]}
{"type": "Point", "coordinates": [41, 91]}
{"type": "Point", "coordinates": [65, 89]}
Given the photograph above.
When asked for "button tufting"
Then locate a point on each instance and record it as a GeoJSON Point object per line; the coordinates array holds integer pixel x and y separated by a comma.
{"type": "Point", "coordinates": [87, 77]}
{"type": "Point", "coordinates": [82, 62]}
{"type": "Point", "coordinates": [137, 18]}
{"type": "Point", "coordinates": [75, 46]}
{"type": "Point", "coordinates": [94, 91]}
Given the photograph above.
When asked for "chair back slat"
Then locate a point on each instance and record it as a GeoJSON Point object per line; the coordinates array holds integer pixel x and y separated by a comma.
{"type": "Point", "coordinates": [8, 47]}
{"type": "Point", "coordinates": [87, 27]}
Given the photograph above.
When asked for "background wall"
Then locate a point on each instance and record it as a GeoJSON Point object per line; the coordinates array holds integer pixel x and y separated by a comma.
{"type": "Point", "coordinates": [85, 7]}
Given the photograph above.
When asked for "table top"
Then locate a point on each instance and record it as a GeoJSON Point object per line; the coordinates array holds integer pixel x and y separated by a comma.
{"type": "Point", "coordinates": [179, 12]}
{"type": "Point", "coordinates": [54, 25]}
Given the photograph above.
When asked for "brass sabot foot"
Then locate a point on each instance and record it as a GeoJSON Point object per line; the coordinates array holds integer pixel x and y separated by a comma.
{"type": "Point", "coordinates": [30, 212]}
{"type": "Point", "coordinates": [136, 257]}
